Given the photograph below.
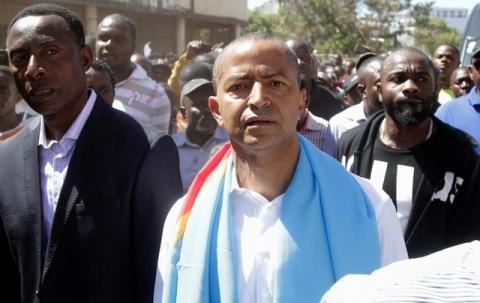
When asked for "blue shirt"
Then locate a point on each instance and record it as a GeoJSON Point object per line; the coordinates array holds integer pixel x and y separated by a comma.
{"type": "Point", "coordinates": [463, 113]}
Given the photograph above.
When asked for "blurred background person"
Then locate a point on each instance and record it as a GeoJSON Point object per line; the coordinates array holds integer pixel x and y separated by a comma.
{"type": "Point", "coordinates": [460, 82]}
{"type": "Point", "coordinates": [100, 79]}
{"type": "Point", "coordinates": [202, 137]}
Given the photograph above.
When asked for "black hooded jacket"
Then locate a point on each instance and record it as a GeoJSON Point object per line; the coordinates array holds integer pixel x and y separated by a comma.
{"type": "Point", "coordinates": [446, 204]}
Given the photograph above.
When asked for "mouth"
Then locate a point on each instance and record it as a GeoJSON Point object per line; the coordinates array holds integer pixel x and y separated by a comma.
{"type": "Point", "coordinates": [259, 121]}
{"type": "Point", "coordinates": [40, 93]}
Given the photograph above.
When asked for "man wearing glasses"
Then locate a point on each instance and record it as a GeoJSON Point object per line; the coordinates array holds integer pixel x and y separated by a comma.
{"type": "Point", "coordinates": [464, 112]}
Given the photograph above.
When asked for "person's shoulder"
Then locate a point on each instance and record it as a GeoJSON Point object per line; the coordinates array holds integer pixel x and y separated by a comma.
{"type": "Point", "coordinates": [452, 107]}
{"type": "Point", "coordinates": [353, 134]}
{"type": "Point", "coordinates": [377, 196]}
{"type": "Point", "coordinates": [125, 124]}
{"type": "Point", "coordinates": [456, 138]}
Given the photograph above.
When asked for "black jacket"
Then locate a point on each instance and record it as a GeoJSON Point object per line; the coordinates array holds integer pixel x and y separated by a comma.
{"type": "Point", "coordinates": [106, 230]}
{"type": "Point", "coordinates": [451, 171]}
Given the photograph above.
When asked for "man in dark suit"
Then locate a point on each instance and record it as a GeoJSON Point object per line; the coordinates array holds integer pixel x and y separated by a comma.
{"type": "Point", "coordinates": [77, 222]}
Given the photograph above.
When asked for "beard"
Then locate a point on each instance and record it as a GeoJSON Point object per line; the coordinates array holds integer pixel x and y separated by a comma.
{"type": "Point", "coordinates": [409, 112]}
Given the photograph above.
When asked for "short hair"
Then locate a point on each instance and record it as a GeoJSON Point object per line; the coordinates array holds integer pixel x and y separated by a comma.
{"type": "Point", "coordinates": [127, 22]}
{"type": "Point", "coordinates": [436, 72]}
{"type": "Point", "coordinates": [257, 36]}
{"type": "Point", "coordinates": [366, 67]}
{"type": "Point", "coordinates": [452, 46]}
{"type": "Point", "coordinates": [102, 66]}
{"type": "Point", "coordinates": [46, 9]}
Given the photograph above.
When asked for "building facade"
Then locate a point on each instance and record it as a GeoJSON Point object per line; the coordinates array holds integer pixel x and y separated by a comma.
{"type": "Point", "coordinates": [168, 24]}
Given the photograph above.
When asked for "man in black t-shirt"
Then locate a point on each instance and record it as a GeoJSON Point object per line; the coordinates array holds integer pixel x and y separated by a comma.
{"type": "Point", "coordinates": [428, 168]}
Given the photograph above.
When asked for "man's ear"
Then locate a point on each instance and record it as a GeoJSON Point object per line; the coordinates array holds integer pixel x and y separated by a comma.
{"type": "Point", "coordinates": [361, 90]}
{"type": "Point", "coordinates": [215, 109]}
{"type": "Point", "coordinates": [86, 57]}
{"type": "Point", "coordinates": [304, 100]}
{"type": "Point", "coordinates": [379, 91]}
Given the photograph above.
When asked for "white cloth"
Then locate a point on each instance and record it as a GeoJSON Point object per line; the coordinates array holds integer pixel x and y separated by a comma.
{"type": "Point", "coordinates": [256, 222]}
{"type": "Point", "coordinates": [450, 275]}
{"type": "Point", "coordinates": [146, 101]}
{"type": "Point", "coordinates": [54, 160]}
{"type": "Point", "coordinates": [346, 119]}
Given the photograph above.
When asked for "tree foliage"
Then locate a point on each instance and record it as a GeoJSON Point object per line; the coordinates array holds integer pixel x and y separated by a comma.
{"type": "Point", "coordinates": [429, 33]}
{"type": "Point", "coordinates": [336, 26]}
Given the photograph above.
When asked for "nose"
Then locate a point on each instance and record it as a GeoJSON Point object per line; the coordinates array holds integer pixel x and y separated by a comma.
{"type": "Point", "coordinates": [410, 88]}
{"type": "Point", "coordinates": [34, 69]}
{"type": "Point", "coordinates": [258, 97]}
{"type": "Point", "coordinates": [464, 84]}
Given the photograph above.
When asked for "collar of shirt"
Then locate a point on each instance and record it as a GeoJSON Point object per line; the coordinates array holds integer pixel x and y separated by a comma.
{"type": "Point", "coordinates": [315, 123]}
{"type": "Point", "coordinates": [138, 74]}
{"type": "Point", "coordinates": [474, 98]}
{"type": "Point", "coordinates": [74, 130]}
{"type": "Point", "coordinates": [240, 193]}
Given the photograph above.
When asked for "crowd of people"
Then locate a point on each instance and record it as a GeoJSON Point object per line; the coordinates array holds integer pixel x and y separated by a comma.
{"type": "Point", "coordinates": [247, 172]}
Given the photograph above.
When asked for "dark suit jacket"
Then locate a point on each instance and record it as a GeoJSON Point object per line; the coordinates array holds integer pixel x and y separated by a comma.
{"type": "Point", "coordinates": [106, 230]}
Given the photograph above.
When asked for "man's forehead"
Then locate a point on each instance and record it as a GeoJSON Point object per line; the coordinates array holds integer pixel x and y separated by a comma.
{"type": "Point", "coordinates": [444, 49]}
{"type": "Point", "coordinates": [404, 61]}
{"type": "Point", "coordinates": [47, 28]}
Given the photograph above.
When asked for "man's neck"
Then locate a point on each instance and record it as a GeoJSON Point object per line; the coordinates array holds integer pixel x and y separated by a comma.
{"type": "Point", "coordinates": [10, 121]}
{"type": "Point", "coordinates": [399, 136]}
{"type": "Point", "coordinates": [122, 73]}
{"type": "Point", "coordinates": [267, 172]}
{"type": "Point", "coordinates": [57, 125]}
{"type": "Point", "coordinates": [198, 138]}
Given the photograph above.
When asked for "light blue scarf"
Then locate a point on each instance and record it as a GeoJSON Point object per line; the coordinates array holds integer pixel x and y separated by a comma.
{"type": "Point", "coordinates": [329, 231]}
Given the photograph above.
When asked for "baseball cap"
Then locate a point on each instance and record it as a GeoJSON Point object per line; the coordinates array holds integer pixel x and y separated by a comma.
{"type": "Point", "coordinates": [195, 86]}
{"type": "Point", "coordinates": [350, 82]}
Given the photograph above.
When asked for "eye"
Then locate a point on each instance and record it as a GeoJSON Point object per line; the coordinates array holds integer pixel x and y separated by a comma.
{"type": "Point", "coordinates": [236, 87]}
{"type": "Point", "coordinates": [51, 51]}
{"type": "Point", "coordinates": [276, 83]}
{"type": "Point", "coordinates": [18, 58]}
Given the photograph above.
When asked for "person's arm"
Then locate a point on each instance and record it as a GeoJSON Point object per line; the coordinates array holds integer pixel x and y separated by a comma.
{"type": "Point", "coordinates": [157, 187]}
{"type": "Point", "coordinates": [9, 276]}
{"type": "Point", "coordinates": [194, 48]}
{"type": "Point", "coordinates": [392, 244]}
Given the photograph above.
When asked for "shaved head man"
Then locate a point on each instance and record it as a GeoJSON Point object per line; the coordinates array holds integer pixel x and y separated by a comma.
{"type": "Point", "coordinates": [426, 166]}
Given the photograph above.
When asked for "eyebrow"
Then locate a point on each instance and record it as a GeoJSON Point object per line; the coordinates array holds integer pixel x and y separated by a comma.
{"type": "Point", "coordinates": [264, 75]}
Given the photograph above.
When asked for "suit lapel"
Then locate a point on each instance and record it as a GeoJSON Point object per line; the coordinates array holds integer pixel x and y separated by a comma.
{"type": "Point", "coordinates": [84, 159]}
{"type": "Point", "coordinates": [31, 177]}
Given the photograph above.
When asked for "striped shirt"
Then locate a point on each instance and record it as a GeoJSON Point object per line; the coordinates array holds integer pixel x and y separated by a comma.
{"type": "Point", "coordinates": [450, 275]}
{"type": "Point", "coordinates": [315, 131]}
{"type": "Point", "coordinates": [55, 157]}
{"type": "Point", "coordinates": [144, 100]}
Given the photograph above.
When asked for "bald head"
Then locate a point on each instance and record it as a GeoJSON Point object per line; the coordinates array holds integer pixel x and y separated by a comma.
{"type": "Point", "coordinates": [406, 52]}
{"type": "Point", "coordinates": [245, 42]}
{"type": "Point", "coordinates": [123, 21]}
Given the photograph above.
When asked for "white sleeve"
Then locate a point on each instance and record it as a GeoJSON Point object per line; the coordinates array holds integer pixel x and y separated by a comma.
{"type": "Point", "coordinates": [392, 244]}
{"type": "Point", "coordinates": [165, 246]}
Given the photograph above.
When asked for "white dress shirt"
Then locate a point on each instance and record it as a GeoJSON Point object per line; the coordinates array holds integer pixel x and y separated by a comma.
{"type": "Point", "coordinates": [346, 119]}
{"type": "Point", "coordinates": [256, 223]}
{"type": "Point", "coordinates": [54, 160]}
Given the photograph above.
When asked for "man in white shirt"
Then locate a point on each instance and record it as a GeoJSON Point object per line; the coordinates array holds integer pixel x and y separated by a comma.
{"type": "Point", "coordinates": [269, 218]}
{"type": "Point", "coordinates": [135, 92]}
{"type": "Point", "coordinates": [450, 275]}
{"type": "Point", "coordinates": [368, 74]}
